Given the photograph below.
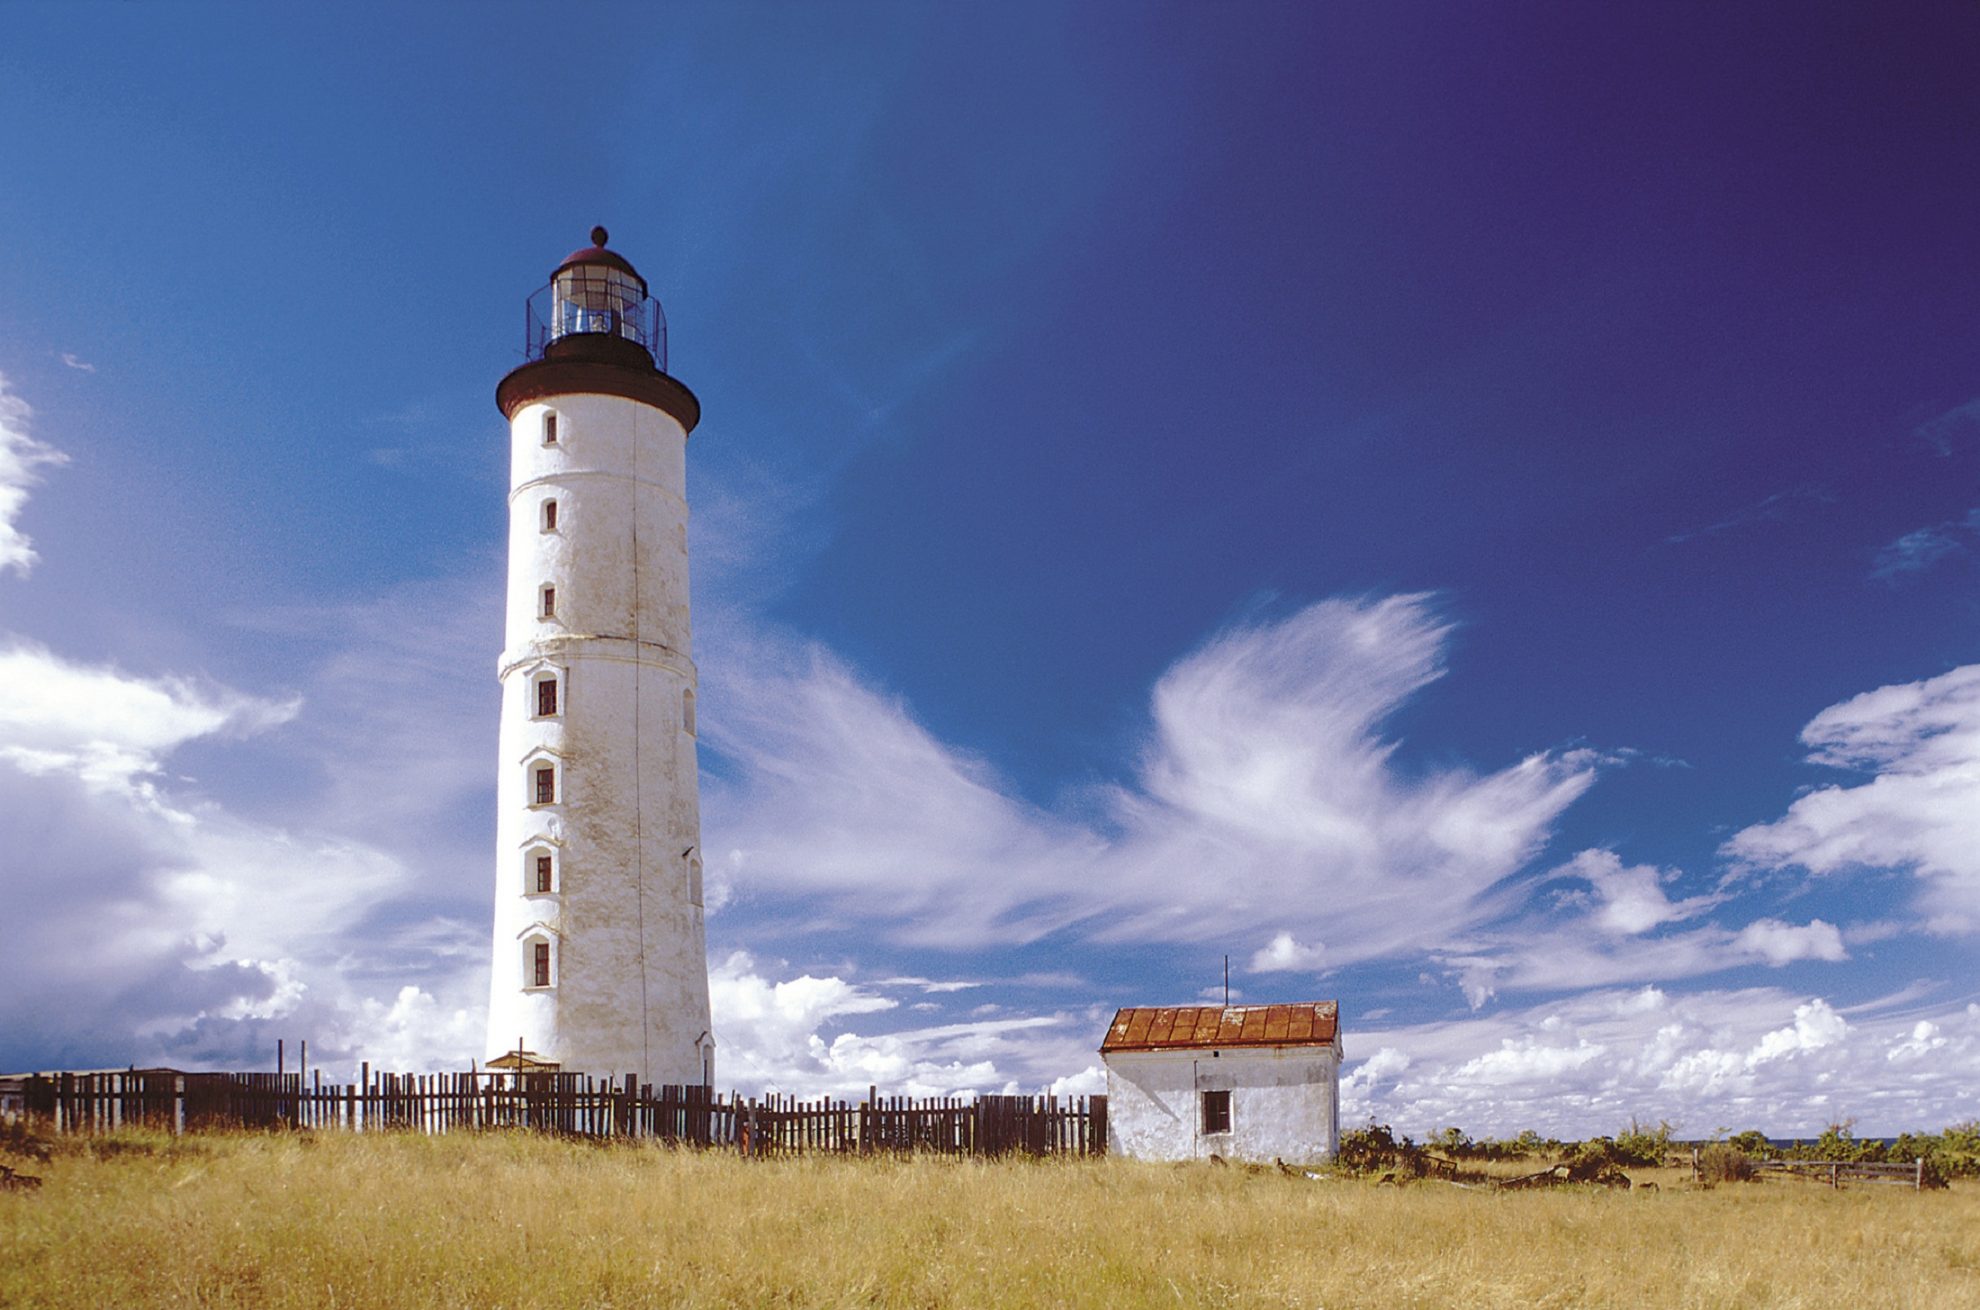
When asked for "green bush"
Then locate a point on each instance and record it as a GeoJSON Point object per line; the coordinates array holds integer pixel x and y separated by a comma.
{"type": "Point", "coordinates": [1640, 1146]}
{"type": "Point", "coordinates": [1753, 1143]}
{"type": "Point", "coordinates": [1376, 1148]}
{"type": "Point", "coordinates": [1722, 1162]}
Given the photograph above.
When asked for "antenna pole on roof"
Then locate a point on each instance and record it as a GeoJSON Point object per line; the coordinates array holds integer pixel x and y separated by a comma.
{"type": "Point", "coordinates": [1227, 982]}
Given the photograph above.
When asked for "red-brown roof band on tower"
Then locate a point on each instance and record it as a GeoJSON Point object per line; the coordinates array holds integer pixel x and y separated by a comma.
{"type": "Point", "coordinates": [1192, 1027]}
{"type": "Point", "coordinates": [598, 363]}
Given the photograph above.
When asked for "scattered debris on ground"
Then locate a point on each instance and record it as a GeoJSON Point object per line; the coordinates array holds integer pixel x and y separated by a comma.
{"type": "Point", "coordinates": [16, 1182]}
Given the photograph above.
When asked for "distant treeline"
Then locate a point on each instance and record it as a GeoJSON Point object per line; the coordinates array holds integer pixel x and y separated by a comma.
{"type": "Point", "coordinates": [1951, 1153]}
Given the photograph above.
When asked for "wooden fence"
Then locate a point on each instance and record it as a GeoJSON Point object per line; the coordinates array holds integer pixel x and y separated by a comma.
{"type": "Point", "coordinates": [1908, 1173]}
{"type": "Point", "coordinates": [569, 1103]}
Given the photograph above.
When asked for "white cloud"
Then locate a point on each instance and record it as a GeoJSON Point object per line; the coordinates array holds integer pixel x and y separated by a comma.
{"type": "Point", "coordinates": [109, 728]}
{"type": "Point", "coordinates": [1385, 1065]}
{"type": "Point", "coordinates": [1751, 1058]}
{"type": "Point", "coordinates": [1526, 1059]}
{"type": "Point", "coordinates": [78, 363]}
{"type": "Point", "coordinates": [1921, 810]}
{"type": "Point", "coordinates": [1631, 898]}
{"type": "Point", "coordinates": [21, 459]}
{"type": "Point", "coordinates": [1815, 1026]}
{"type": "Point", "coordinates": [1925, 1038]}
{"type": "Point", "coordinates": [1782, 943]}
{"type": "Point", "coordinates": [1284, 953]}
{"type": "Point", "coordinates": [793, 1036]}
{"type": "Point", "coordinates": [1264, 784]}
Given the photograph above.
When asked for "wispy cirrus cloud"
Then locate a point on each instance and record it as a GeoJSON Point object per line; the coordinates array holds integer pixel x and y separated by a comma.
{"type": "Point", "coordinates": [1952, 430]}
{"type": "Point", "coordinates": [1919, 550]}
{"type": "Point", "coordinates": [1776, 508]}
{"type": "Point", "coordinates": [1265, 793]}
{"type": "Point", "coordinates": [22, 458]}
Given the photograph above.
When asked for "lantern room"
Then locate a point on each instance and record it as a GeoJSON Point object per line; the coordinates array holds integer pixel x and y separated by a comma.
{"type": "Point", "coordinates": [595, 299]}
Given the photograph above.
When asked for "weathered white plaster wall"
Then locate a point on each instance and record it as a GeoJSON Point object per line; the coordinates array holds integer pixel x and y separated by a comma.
{"type": "Point", "coordinates": [1285, 1103]}
{"type": "Point", "coordinates": [630, 977]}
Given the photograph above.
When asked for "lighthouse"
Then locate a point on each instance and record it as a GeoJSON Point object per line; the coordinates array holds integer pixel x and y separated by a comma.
{"type": "Point", "coordinates": [600, 962]}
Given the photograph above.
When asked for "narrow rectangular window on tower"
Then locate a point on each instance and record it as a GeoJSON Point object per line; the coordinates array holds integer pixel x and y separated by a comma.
{"type": "Point", "coordinates": [546, 696]}
{"type": "Point", "coordinates": [550, 428]}
{"type": "Point", "coordinates": [1216, 1112]}
{"type": "Point", "coordinates": [549, 516]}
{"type": "Point", "coordinates": [546, 785]}
{"type": "Point", "coordinates": [543, 873]}
{"type": "Point", "coordinates": [541, 961]}
{"type": "Point", "coordinates": [549, 602]}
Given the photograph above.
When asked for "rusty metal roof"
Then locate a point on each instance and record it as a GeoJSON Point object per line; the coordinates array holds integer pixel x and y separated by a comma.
{"type": "Point", "coordinates": [1193, 1027]}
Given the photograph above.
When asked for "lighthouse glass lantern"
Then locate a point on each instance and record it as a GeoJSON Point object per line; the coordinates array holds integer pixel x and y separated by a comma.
{"type": "Point", "coordinates": [596, 293]}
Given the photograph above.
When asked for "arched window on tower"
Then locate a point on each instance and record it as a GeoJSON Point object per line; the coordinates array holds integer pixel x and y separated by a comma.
{"type": "Point", "coordinates": [550, 515]}
{"type": "Point", "coordinates": [687, 711]}
{"type": "Point", "coordinates": [540, 871]}
{"type": "Point", "coordinates": [539, 961]}
{"type": "Point", "coordinates": [542, 783]}
{"type": "Point", "coordinates": [548, 696]}
{"type": "Point", "coordinates": [694, 880]}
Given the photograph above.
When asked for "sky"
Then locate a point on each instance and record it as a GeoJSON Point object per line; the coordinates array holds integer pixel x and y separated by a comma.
{"type": "Point", "coordinates": [1472, 511]}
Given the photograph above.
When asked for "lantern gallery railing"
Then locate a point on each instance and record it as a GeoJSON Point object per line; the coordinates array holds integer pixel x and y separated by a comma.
{"type": "Point", "coordinates": [580, 302]}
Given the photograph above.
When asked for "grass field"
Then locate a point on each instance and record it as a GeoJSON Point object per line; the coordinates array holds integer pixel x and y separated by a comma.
{"type": "Point", "coordinates": [497, 1221]}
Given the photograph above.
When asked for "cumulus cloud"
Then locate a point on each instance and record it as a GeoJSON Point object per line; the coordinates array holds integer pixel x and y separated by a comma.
{"type": "Point", "coordinates": [1265, 783]}
{"type": "Point", "coordinates": [1609, 934]}
{"type": "Point", "coordinates": [1920, 810]}
{"type": "Point", "coordinates": [1749, 1058]}
{"type": "Point", "coordinates": [1782, 943]}
{"type": "Point", "coordinates": [1630, 898]}
{"type": "Point", "coordinates": [796, 1036]}
{"type": "Point", "coordinates": [1284, 953]}
{"type": "Point", "coordinates": [21, 460]}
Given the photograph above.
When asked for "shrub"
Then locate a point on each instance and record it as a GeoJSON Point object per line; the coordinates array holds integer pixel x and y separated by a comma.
{"type": "Point", "coordinates": [1376, 1147]}
{"type": "Point", "coordinates": [1722, 1162]}
{"type": "Point", "coordinates": [1752, 1142]}
{"type": "Point", "coordinates": [1640, 1146]}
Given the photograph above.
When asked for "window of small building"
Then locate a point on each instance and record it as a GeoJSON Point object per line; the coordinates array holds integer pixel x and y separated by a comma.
{"type": "Point", "coordinates": [549, 516]}
{"type": "Point", "coordinates": [546, 696]}
{"type": "Point", "coordinates": [549, 427]}
{"type": "Point", "coordinates": [1216, 1112]}
{"type": "Point", "coordinates": [544, 778]}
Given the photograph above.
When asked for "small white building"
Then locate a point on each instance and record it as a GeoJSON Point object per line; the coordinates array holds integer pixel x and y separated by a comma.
{"type": "Point", "coordinates": [1242, 1082]}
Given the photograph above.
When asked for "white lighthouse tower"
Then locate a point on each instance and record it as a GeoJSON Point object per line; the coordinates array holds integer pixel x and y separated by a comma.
{"type": "Point", "coordinates": [600, 963]}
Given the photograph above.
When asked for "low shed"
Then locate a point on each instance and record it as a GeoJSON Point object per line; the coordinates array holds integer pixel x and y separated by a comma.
{"type": "Point", "coordinates": [1244, 1082]}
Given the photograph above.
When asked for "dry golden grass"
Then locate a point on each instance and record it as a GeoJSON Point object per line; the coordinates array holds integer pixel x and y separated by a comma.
{"type": "Point", "coordinates": [497, 1221]}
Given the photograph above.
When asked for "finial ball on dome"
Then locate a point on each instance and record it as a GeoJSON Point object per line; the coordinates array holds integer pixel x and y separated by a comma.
{"type": "Point", "coordinates": [598, 235]}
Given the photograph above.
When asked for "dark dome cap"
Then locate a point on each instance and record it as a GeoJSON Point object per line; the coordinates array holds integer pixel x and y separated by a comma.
{"type": "Point", "coordinates": [596, 253]}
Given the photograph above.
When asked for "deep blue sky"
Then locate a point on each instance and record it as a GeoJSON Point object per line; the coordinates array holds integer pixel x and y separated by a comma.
{"type": "Point", "coordinates": [1050, 355]}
